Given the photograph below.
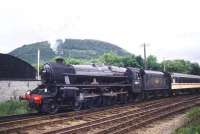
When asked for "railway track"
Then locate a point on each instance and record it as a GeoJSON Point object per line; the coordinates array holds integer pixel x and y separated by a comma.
{"type": "Point", "coordinates": [17, 117]}
{"type": "Point", "coordinates": [16, 123]}
{"type": "Point", "coordinates": [100, 120]}
{"type": "Point", "coordinates": [130, 119]}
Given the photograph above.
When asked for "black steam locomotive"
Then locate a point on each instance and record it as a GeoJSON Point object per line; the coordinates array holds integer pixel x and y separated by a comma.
{"type": "Point", "coordinates": [86, 86]}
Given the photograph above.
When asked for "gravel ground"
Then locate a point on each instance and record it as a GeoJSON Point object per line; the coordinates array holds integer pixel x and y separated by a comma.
{"type": "Point", "coordinates": [164, 126]}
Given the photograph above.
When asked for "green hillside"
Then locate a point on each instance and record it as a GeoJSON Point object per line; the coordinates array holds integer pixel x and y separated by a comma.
{"type": "Point", "coordinates": [88, 49]}
{"type": "Point", "coordinates": [29, 52]}
{"type": "Point", "coordinates": [71, 48]}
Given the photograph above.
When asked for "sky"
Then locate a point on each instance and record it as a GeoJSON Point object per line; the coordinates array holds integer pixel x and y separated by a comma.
{"type": "Point", "coordinates": [170, 28]}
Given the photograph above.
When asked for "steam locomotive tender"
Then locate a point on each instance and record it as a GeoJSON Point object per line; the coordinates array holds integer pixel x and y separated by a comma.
{"type": "Point", "coordinates": [86, 86]}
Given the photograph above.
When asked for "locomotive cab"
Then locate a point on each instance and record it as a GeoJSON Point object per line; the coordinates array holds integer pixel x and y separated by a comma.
{"type": "Point", "coordinates": [135, 78]}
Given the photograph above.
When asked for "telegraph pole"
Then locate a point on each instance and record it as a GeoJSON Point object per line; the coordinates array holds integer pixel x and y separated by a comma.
{"type": "Point", "coordinates": [145, 55]}
{"type": "Point", "coordinates": [145, 58]}
{"type": "Point", "coordinates": [38, 73]}
{"type": "Point", "coordinates": [164, 68]}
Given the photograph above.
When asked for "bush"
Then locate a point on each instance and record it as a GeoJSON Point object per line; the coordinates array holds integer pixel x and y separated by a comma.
{"type": "Point", "coordinates": [194, 126]}
{"type": "Point", "coordinates": [13, 107]}
{"type": "Point", "coordinates": [194, 114]}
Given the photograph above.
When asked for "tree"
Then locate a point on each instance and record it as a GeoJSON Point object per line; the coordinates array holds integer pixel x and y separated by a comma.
{"type": "Point", "coordinates": [126, 61]}
{"type": "Point", "coordinates": [73, 61]}
{"type": "Point", "coordinates": [140, 61]}
{"type": "Point", "coordinates": [180, 66]}
{"type": "Point", "coordinates": [152, 63]}
{"type": "Point", "coordinates": [130, 61]}
{"type": "Point", "coordinates": [112, 59]}
{"type": "Point", "coordinates": [195, 69]}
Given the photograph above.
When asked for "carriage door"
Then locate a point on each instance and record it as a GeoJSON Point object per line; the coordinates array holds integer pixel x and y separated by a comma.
{"type": "Point", "coordinates": [137, 84]}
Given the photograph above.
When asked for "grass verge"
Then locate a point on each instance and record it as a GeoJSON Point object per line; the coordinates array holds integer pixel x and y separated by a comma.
{"type": "Point", "coordinates": [13, 107]}
{"type": "Point", "coordinates": [193, 127]}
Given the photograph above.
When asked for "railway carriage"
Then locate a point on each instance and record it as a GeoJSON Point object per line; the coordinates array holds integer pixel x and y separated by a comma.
{"type": "Point", "coordinates": [184, 83]}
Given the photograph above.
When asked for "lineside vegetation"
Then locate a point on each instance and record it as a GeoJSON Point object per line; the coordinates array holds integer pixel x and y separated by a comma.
{"type": "Point", "coordinates": [11, 107]}
{"type": "Point", "coordinates": [178, 65]}
{"type": "Point", "coordinates": [193, 127]}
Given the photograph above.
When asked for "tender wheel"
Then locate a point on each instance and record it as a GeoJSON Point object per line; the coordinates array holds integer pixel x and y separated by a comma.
{"type": "Point", "coordinates": [139, 97]}
{"type": "Point", "coordinates": [91, 102]}
{"type": "Point", "coordinates": [114, 100]}
{"type": "Point", "coordinates": [106, 101]}
{"type": "Point", "coordinates": [98, 101]}
{"type": "Point", "coordinates": [123, 98]}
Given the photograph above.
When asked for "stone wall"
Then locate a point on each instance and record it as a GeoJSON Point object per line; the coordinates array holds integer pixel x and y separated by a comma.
{"type": "Point", "coordinates": [13, 89]}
